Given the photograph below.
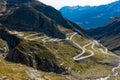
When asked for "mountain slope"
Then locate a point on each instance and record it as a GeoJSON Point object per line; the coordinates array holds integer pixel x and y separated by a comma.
{"type": "Point", "coordinates": [38, 36]}
{"type": "Point", "coordinates": [56, 55]}
{"type": "Point", "coordinates": [109, 34]}
{"type": "Point", "coordinates": [34, 16]}
{"type": "Point", "coordinates": [90, 17]}
{"type": "Point", "coordinates": [19, 71]}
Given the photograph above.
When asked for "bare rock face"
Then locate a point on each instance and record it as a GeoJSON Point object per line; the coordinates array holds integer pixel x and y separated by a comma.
{"type": "Point", "coordinates": [2, 5]}
{"type": "Point", "coordinates": [45, 60]}
{"type": "Point", "coordinates": [17, 50]}
{"type": "Point", "coordinates": [11, 40]}
{"type": "Point", "coordinates": [3, 48]}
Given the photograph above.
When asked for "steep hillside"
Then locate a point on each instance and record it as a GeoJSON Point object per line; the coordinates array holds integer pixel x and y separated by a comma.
{"type": "Point", "coordinates": [38, 36]}
{"type": "Point", "coordinates": [59, 55]}
{"type": "Point", "coordinates": [90, 17]}
{"type": "Point", "coordinates": [109, 34]}
{"type": "Point", "coordinates": [35, 16]}
{"type": "Point", "coordinates": [22, 72]}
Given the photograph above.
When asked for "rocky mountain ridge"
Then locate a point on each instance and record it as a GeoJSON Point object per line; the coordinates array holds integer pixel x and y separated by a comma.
{"type": "Point", "coordinates": [28, 17]}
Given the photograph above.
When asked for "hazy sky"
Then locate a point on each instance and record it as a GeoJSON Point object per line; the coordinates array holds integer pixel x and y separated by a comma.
{"type": "Point", "coordinates": [60, 3]}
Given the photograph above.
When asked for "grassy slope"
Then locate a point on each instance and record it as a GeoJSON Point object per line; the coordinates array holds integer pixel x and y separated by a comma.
{"type": "Point", "coordinates": [61, 54]}
{"type": "Point", "coordinates": [64, 51]}
{"type": "Point", "coordinates": [117, 77]}
{"type": "Point", "coordinates": [15, 71]}
{"type": "Point", "coordinates": [100, 60]}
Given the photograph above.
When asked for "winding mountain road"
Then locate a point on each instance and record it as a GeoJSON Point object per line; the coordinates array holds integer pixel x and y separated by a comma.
{"type": "Point", "coordinates": [26, 37]}
{"type": "Point", "coordinates": [44, 38]}
{"type": "Point", "coordinates": [78, 57]}
{"type": "Point", "coordinates": [104, 51]}
{"type": "Point", "coordinates": [17, 33]}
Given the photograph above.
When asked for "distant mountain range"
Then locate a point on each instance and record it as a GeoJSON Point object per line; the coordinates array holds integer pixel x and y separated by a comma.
{"type": "Point", "coordinates": [89, 16]}
{"type": "Point", "coordinates": [109, 35]}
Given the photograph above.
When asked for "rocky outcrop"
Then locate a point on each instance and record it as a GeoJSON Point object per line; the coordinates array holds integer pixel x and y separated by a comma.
{"type": "Point", "coordinates": [11, 40]}
{"type": "Point", "coordinates": [38, 57]}
{"type": "Point", "coordinates": [2, 5]}
{"type": "Point", "coordinates": [32, 54]}
{"type": "Point", "coordinates": [3, 48]}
